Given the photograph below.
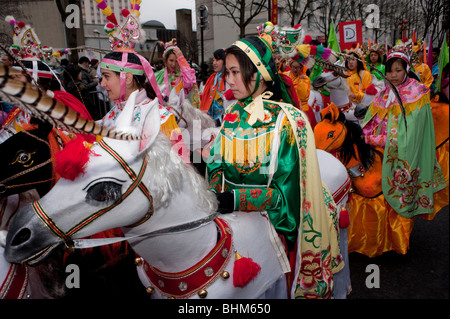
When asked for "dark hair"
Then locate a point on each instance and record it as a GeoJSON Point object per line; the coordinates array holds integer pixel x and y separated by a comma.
{"type": "Point", "coordinates": [83, 59]}
{"type": "Point", "coordinates": [140, 80]}
{"type": "Point", "coordinates": [248, 69]}
{"type": "Point", "coordinates": [380, 57]}
{"type": "Point", "coordinates": [410, 74]}
{"type": "Point", "coordinates": [359, 65]}
{"type": "Point", "coordinates": [219, 54]}
{"type": "Point", "coordinates": [73, 70]}
{"type": "Point", "coordinates": [64, 62]}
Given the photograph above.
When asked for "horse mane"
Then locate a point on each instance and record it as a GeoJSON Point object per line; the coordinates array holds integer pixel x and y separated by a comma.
{"type": "Point", "coordinates": [168, 170]}
{"type": "Point", "coordinates": [354, 140]}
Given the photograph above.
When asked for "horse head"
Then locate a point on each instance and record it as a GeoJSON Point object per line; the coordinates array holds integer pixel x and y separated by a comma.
{"type": "Point", "coordinates": [104, 185]}
{"type": "Point", "coordinates": [112, 190]}
{"type": "Point", "coordinates": [331, 132]}
{"type": "Point", "coordinates": [26, 161]}
{"type": "Point", "coordinates": [344, 140]}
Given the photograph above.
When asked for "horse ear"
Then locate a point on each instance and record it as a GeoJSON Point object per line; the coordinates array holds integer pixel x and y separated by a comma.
{"type": "Point", "coordinates": [44, 127]}
{"type": "Point", "coordinates": [332, 110]}
{"type": "Point", "coordinates": [150, 127]}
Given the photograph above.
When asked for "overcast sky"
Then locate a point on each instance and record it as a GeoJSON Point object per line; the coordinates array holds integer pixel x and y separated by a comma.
{"type": "Point", "coordinates": [164, 11]}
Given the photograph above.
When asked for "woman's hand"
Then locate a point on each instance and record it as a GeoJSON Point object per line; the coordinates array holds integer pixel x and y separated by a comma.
{"type": "Point", "coordinates": [178, 52]}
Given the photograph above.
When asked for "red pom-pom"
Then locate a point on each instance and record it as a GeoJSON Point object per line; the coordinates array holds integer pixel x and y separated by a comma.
{"type": "Point", "coordinates": [307, 39]}
{"type": "Point", "coordinates": [72, 159]}
{"type": "Point", "coordinates": [344, 218]}
{"type": "Point", "coordinates": [297, 26]}
{"type": "Point", "coordinates": [229, 95]}
{"type": "Point", "coordinates": [21, 24]}
{"type": "Point", "coordinates": [125, 12]}
{"type": "Point", "coordinates": [371, 90]}
{"type": "Point", "coordinates": [245, 270]}
{"type": "Point", "coordinates": [405, 39]}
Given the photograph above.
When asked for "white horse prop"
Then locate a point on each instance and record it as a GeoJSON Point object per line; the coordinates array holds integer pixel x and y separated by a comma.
{"type": "Point", "coordinates": [339, 95]}
{"type": "Point", "coordinates": [167, 214]}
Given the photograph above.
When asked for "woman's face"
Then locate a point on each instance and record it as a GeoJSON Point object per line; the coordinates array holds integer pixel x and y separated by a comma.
{"type": "Point", "coordinates": [171, 62]}
{"type": "Point", "coordinates": [352, 64]}
{"type": "Point", "coordinates": [296, 68]}
{"type": "Point", "coordinates": [397, 73]}
{"type": "Point", "coordinates": [111, 83]}
{"type": "Point", "coordinates": [235, 79]}
{"type": "Point", "coordinates": [373, 57]}
{"type": "Point", "coordinates": [217, 65]}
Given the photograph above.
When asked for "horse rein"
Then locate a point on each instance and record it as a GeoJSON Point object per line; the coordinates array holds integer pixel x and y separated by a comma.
{"type": "Point", "coordinates": [71, 244]}
{"type": "Point", "coordinates": [136, 182]}
{"type": "Point", "coordinates": [3, 187]}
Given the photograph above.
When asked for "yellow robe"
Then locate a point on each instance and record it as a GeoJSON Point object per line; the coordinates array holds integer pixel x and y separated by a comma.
{"type": "Point", "coordinates": [424, 73]}
{"type": "Point", "coordinates": [358, 84]}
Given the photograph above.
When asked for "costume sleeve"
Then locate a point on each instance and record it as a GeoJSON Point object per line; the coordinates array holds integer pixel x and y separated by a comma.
{"type": "Point", "coordinates": [280, 199]}
{"type": "Point", "coordinates": [187, 73]}
{"type": "Point", "coordinates": [365, 83]}
{"type": "Point", "coordinates": [427, 77]}
{"type": "Point", "coordinates": [303, 89]}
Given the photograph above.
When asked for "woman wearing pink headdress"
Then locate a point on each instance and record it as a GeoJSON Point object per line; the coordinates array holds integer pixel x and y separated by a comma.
{"type": "Point", "coordinates": [177, 74]}
{"type": "Point", "coordinates": [126, 74]}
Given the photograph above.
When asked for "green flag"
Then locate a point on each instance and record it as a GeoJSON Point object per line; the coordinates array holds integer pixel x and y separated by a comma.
{"type": "Point", "coordinates": [332, 42]}
{"type": "Point", "coordinates": [443, 60]}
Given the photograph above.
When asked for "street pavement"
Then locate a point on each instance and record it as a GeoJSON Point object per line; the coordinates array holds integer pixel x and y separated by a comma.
{"type": "Point", "coordinates": [422, 273]}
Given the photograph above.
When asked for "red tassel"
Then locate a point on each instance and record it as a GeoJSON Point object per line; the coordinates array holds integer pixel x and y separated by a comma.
{"type": "Point", "coordinates": [72, 159]}
{"type": "Point", "coordinates": [371, 90]}
{"type": "Point", "coordinates": [229, 95]}
{"type": "Point", "coordinates": [245, 270]}
{"type": "Point", "coordinates": [344, 218]}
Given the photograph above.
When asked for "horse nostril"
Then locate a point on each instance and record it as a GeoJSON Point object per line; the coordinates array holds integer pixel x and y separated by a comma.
{"type": "Point", "coordinates": [22, 236]}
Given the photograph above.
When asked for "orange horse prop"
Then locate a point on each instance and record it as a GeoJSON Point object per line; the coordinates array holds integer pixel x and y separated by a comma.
{"type": "Point", "coordinates": [375, 227]}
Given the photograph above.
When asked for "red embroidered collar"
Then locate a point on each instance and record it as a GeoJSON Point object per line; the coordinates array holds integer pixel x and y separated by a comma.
{"type": "Point", "coordinates": [188, 282]}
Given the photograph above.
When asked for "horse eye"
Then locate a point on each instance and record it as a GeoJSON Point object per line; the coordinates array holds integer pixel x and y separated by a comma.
{"type": "Point", "coordinates": [24, 158]}
{"type": "Point", "coordinates": [330, 134]}
{"type": "Point", "coordinates": [104, 193]}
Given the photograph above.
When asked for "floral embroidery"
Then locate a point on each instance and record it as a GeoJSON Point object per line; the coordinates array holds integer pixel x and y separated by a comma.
{"type": "Point", "coordinates": [316, 275]}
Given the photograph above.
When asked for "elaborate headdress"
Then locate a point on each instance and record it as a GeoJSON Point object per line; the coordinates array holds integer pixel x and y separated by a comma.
{"type": "Point", "coordinates": [292, 43]}
{"type": "Point", "coordinates": [123, 38]}
{"type": "Point", "coordinates": [169, 46]}
{"type": "Point", "coordinates": [27, 47]}
{"type": "Point", "coordinates": [402, 49]}
{"type": "Point", "coordinates": [376, 47]}
{"type": "Point", "coordinates": [355, 49]}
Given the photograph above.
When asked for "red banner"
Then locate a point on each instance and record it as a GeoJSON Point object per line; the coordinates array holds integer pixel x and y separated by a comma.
{"type": "Point", "coordinates": [274, 12]}
{"type": "Point", "coordinates": [350, 33]}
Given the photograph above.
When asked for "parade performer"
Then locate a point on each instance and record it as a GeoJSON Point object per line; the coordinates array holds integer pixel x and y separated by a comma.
{"type": "Point", "coordinates": [264, 159]}
{"type": "Point", "coordinates": [374, 55]}
{"type": "Point", "coordinates": [32, 59]}
{"type": "Point", "coordinates": [128, 75]}
{"type": "Point", "coordinates": [420, 66]}
{"type": "Point", "coordinates": [214, 101]}
{"type": "Point", "coordinates": [177, 74]}
{"type": "Point", "coordinates": [410, 172]}
{"type": "Point", "coordinates": [292, 45]}
{"type": "Point", "coordinates": [359, 78]}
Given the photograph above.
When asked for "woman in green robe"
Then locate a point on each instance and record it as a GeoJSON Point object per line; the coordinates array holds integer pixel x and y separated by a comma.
{"type": "Point", "coordinates": [410, 172]}
{"type": "Point", "coordinates": [264, 159]}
